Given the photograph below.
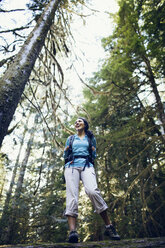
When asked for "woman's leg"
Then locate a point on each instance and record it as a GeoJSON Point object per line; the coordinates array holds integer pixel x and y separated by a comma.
{"type": "Point", "coordinates": [89, 181]}
{"type": "Point", "coordinates": [72, 178]}
{"type": "Point", "coordinates": [88, 178]}
{"type": "Point", "coordinates": [71, 223]}
{"type": "Point", "coordinates": [105, 217]}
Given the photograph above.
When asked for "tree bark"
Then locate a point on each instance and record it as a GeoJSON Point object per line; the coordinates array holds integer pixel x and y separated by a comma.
{"type": "Point", "coordinates": [18, 191]}
{"type": "Point", "coordinates": [13, 82]}
{"type": "Point", "coordinates": [159, 103]}
{"type": "Point", "coordinates": [2, 180]}
{"type": "Point", "coordinates": [12, 182]}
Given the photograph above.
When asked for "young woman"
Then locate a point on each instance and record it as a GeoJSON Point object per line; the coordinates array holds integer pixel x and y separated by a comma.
{"type": "Point", "coordinates": [79, 166]}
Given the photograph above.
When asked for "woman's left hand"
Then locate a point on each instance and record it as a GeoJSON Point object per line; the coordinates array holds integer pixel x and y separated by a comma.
{"type": "Point", "coordinates": [93, 148]}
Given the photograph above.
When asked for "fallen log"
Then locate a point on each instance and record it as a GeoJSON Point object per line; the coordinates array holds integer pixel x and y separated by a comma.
{"type": "Point", "coordinates": [125, 243]}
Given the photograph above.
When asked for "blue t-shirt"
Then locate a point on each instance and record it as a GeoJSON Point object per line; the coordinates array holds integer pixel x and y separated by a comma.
{"type": "Point", "coordinates": [80, 148]}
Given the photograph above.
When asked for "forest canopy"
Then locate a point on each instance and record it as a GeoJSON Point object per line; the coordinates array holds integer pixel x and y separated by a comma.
{"type": "Point", "coordinates": [124, 103]}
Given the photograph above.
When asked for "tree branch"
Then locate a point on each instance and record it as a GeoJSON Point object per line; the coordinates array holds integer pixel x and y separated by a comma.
{"type": "Point", "coordinates": [12, 10]}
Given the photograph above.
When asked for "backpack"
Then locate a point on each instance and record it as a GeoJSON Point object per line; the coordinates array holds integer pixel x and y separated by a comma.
{"type": "Point", "coordinates": [70, 154]}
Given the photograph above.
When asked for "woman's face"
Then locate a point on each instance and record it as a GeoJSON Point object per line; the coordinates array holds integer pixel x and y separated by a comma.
{"type": "Point", "coordinates": [79, 124]}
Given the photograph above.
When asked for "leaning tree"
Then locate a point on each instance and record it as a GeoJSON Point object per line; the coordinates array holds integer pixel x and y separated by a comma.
{"type": "Point", "coordinates": [15, 78]}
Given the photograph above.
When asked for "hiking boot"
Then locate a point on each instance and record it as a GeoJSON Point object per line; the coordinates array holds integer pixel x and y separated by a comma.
{"type": "Point", "coordinates": [110, 231]}
{"type": "Point", "coordinates": [73, 237]}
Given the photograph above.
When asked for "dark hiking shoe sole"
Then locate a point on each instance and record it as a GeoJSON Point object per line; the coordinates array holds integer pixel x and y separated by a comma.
{"type": "Point", "coordinates": [73, 237]}
{"type": "Point", "coordinates": [111, 233]}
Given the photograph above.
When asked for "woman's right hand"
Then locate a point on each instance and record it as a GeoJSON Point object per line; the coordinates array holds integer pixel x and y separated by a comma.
{"type": "Point", "coordinates": [66, 148]}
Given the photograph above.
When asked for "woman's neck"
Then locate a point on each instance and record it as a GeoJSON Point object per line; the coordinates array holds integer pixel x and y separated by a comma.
{"type": "Point", "coordinates": [81, 133]}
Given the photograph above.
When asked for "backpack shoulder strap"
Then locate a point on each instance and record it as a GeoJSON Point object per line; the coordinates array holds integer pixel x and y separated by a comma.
{"type": "Point", "coordinates": [90, 150]}
{"type": "Point", "coordinates": [90, 146]}
{"type": "Point", "coordinates": [69, 153]}
{"type": "Point", "coordinates": [90, 142]}
{"type": "Point", "coordinates": [71, 139]}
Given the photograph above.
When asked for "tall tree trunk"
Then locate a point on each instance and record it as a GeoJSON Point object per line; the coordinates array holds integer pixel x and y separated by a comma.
{"type": "Point", "coordinates": [13, 82]}
{"type": "Point", "coordinates": [23, 167]}
{"type": "Point", "coordinates": [6, 209]}
{"type": "Point", "coordinates": [156, 129]}
{"type": "Point", "coordinates": [2, 181]}
{"type": "Point", "coordinates": [15, 205]}
{"type": "Point", "coordinates": [159, 104]}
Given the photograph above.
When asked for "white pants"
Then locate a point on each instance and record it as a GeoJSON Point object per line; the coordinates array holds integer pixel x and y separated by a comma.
{"type": "Point", "coordinates": [88, 177]}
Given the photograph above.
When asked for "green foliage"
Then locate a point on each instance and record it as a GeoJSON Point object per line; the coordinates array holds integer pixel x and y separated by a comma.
{"type": "Point", "coordinates": [130, 145]}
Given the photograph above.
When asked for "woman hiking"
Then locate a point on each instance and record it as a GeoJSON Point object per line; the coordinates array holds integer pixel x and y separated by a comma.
{"type": "Point", "coordinates": [79, 153]}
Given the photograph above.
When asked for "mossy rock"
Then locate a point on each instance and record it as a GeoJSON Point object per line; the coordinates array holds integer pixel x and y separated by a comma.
{"type": "Point", "coordinates": [125, 243]}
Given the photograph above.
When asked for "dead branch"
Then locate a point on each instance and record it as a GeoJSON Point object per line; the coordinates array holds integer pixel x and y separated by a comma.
{"type": "Point", "coordinates": [12, 10]}
{"type": "Point", "coordinates": [4, 61]}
